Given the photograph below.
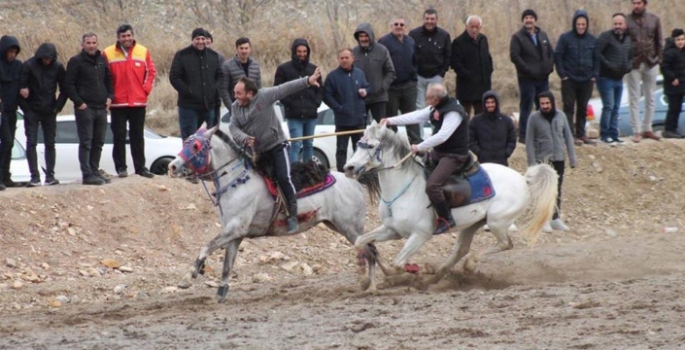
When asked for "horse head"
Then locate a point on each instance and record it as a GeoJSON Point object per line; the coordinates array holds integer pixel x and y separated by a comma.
{"type": "Point", "coordinates": [201, 150]}
{"type": "Point", "coordinates": [379, 145]}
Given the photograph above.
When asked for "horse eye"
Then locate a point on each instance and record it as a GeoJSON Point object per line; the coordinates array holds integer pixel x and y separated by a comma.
{"type": "Point", "coordinates": [196, 146]}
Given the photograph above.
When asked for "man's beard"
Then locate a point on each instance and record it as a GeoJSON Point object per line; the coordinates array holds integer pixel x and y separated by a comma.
{"type": "Point", "coordinates": [549, 113]}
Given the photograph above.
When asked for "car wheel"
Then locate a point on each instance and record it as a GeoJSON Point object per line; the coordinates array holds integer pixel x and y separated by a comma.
{"type": "Point", "coordinates": [161, 166]}
{"type": "Point", "coordinates": [320, 158]}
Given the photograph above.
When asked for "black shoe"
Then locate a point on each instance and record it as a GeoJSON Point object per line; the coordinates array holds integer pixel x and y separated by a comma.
{"type": "Point", "coordinates": [617, 140]}
{"type": "Point", "coordinates": [2, 186]}
{"type": "Point", "coordinates": [672, 135]}
{"type": "Point", "coordinates": [607, 140]}
{"type": "Point", "coordinates": [445, 220]}
{"type": "Point", "coordinates": [122, 173]}
{"type": "Point", "coordinates": [145, 173]}
{"type": "Point", "coordinates": [10, 183]}
{"type": "Point", "coordinates": [293, 225]}
{"type": "Point", "coordinates": [104, 179]}
{"type": "Point", "coordinates": [35, 182]}
{"type": "Point", "coordinates": [49, 181]}
{"type": "Point", "coordinates": [93, 180]}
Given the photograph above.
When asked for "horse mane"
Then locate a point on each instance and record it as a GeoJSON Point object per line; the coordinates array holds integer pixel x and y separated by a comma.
{"type": "Point", "coordinates": [400, 148]}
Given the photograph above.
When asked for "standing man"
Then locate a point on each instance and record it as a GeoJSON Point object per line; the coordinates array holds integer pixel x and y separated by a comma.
{"type": "Point", "coordinates": [242, 65]}
{"type": "Point", "coordinates": [196, 75]}
{"type": "Point", "coordinates": [10, 72]}
{"type": "Point", "coordinates": [647, 39]}
{"type": "Point", "coordinates": [300, 107]}
{"type": "Point", "coordinates": [673, 69]}
{"type": "Point", "coordinates": [40, 76]}
{"type": "Point", "coordinates": [548, 139]}
{"type": "Point", "coordinates": [578, 67]}
{"type": "Point", "coordinates": [89, 85]}
{"type": "Point", "coordinates": [344, 92]}
{"type": "Point", "coordinates": [432, 46]}
{"type": "Point", "coordinates": [472, 62]}
{"type": "Point", "coordinates": [374, 60]}
{"type": "Point", "coordinates": [615, 61]}
{"type": "Point", "coordinates": [492, 136]}
{"type": "Point", "coordinates": [533, 55]}
{"type": "Point", "coordinates": [254, 123]}
{"type": "Point", "coordinates": [402, 92]}
{"type": "Point", "coordinates": [133, 73]}
{"type": "Point", "coordinates": [217, 108]}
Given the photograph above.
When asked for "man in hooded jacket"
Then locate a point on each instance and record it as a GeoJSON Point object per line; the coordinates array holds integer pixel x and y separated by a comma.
{"type": "Point", "coordinates": [374, 60]}
{"type": "Point", "coordinates": [492, 136]}
{"type": "Point", "coordinates": [577, 64]}
{"type": "Point", "coordinates": [10, 71]}
{"type": "Point", "coordinates": [300, 107]}
{"type": "Point", "coordinates": [40, 76]}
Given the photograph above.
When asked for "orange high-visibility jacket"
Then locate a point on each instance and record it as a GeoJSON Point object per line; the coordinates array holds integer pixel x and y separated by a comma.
{"type": "Point", "coordinates": [132, 75]}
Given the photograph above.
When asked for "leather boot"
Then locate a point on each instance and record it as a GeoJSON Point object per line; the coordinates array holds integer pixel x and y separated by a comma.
{"type": "Point", "coordinates": [445, 220]}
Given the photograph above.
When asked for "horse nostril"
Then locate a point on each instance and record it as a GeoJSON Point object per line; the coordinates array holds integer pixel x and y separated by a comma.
{"type": "Point", "coordinates": [349, 168]}
{"type": "Point", "coordinates": [172, 167]}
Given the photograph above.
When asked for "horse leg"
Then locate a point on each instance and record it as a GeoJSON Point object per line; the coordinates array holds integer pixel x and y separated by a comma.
{"type": "Point", "coordinates": [368, 257]}
{"type": "Point", "coordinates": [501, 233]}
{"type": "Point", "coordinates": [228, 233]}
{"type": "Point", "coordinates": [229, 260]}
{"type": "Point", "coordinates": [461, 248]}
{"type": "Point", "coordinates": [379, 234]}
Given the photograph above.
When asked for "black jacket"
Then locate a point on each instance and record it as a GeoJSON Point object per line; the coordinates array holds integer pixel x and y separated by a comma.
{"type": "Point", "coordinates": [196, 75]}
{"type": "Point", "coordinates": [673, 67]}
{"type": "Point", "coordinates": [42, 81]}
{"type": "Point", "coordinates": [302, 104]}
{"type": "Point", "coordinates": [472, 62]}
{"type": "Point", "coordinates": [575, 55]}
{"type": "Point", "coordinates": [402, 55]}
{"type": "Point", "coordinates": [431, 51]}
{"type": "Point", "coordinates": [10, 73]}
{"type": "Point", "coordinates": [88, 80]}
{"type": "Point", "coordinates": [615, 55]}
{"type": "Point", "coordinates": [458, 142]}
{"type": "Point", "coordinates": [531, 61]}
{"type": "Point", "coordinates": [492, 136]}
{"type": "Point", "coordinates": [341, 94]}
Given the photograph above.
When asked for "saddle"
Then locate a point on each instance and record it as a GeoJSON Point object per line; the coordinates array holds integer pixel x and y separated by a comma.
{"type": "Point", "coordinates": [308, 178]}
{"type": "Point", "coordinates": [467, 185]}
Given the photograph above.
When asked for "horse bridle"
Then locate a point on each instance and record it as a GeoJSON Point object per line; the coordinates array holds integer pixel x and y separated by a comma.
{"type": "Point", "coordinates": [200, 161]}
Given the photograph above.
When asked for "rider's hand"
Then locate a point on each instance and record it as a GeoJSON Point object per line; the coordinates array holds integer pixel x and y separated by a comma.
{"type": "Point", "coordinates": [414, 149]}
{"type": "Point", "coordinates": [384, 122]}
{"type": "Point", "coordinates": [249, 141]}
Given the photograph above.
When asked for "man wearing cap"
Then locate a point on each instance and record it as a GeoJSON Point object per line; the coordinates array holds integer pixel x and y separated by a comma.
{"type": "Point", "coordinates": [196, 74]}
{"type": "Point", "coordinates": [533, 55]}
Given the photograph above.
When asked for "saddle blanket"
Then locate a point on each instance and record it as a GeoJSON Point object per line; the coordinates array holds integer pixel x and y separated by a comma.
{"type": "Point", "coordinates": [308, 191]}
{"type": "Point", "coordinates": [481, 186]}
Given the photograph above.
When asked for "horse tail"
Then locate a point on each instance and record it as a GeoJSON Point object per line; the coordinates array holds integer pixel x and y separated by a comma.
{"type": "Point", "coordinates": [542, 182]}
{"type": "Point", "coordinates": [372, 184]}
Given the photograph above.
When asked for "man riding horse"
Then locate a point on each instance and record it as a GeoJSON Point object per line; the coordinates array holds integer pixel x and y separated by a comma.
{"type": "Point", "coordinates": [254, 124]}
{"type": "Point", "coordinates": [450, 144]}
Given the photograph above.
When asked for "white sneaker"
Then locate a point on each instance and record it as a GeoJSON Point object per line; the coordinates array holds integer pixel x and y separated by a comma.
{"type": "Point", "coordinates": [547, 228]}
{"type": "Point", "coordinates": [486, 227]}
{"type": "Point", "coordinates": [559, 225]}
{"type": "Point", "coordinates": [513, 228]}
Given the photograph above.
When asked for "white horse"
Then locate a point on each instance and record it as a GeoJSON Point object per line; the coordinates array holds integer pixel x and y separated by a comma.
{"type": "Point", "coordinates": [405, 210]}
{"type": "Point", "coordinates": [247, 209]}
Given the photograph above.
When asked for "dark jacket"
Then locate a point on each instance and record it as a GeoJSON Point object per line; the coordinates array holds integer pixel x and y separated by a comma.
{"type": "Point", "coordinates": [673, 67]}
{"type": "Point", "coordinates": [10, 73]}
{"type": "Point", "coordinates": [575, 56]}
{"type": "Point", "coordinates": [647, 38]}
{"type": "Point", "coordinates": [88, 80]}
{"type": "Point", "coordinates": [458, 142]}
{"type": "Point", "coordinates": [196, 75]}
{"type": "Point", "coordinates": [342, 96]}
{"type": "Point", "coordinates": [304, 103]}
{"type": "Point", "coordinates": [472, 62]}
{"type": "Point", "coordinates": [402, 55]}
{"type": "Point", "coordinates": [432, 51]}
{"type": "Point", "coordinates": [232, 71]}
{"type": "Point", "coordinates": [492, 136]}
{"type": "Point", "coordinates": [615, 55]}
{"type": "Point", "coordinates": [531, 61]}
{"type": "Point", "coordinates": [42, 82]}
{"type": "Point", "coordinates": [376, 64]}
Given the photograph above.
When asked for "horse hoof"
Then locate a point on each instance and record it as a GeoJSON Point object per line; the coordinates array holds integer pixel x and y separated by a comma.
{"type": "Point", "coordinates": [221, 294]}
{"type": "Point", "coordinates": [199, 268]}
{"type": "Point", "coordinates": [365, 283]}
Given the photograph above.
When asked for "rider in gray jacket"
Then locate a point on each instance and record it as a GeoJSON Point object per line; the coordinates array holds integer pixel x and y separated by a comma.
{"type": "Point", "coordinates": [254, 123]}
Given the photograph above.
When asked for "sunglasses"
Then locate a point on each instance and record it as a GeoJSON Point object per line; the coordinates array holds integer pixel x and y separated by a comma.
{"type": "Point", "coordinates": [398, 24]}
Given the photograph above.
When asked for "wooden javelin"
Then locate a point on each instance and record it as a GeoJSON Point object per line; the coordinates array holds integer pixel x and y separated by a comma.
{"type": "Point", "coordinates": [326, 135]}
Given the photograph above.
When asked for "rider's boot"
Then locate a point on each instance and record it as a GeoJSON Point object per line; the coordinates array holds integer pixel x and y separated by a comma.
{"type": "Point", "coordinates": [293, 225]}
{"type": "Point", "coordinates": [445, 220]}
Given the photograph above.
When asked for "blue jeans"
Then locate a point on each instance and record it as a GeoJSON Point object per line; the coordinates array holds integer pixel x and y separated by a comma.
{"type": "Point", "coordinates": [529, 91]}
{"type": "Point", "coordinates": [189, 120]}
{"type": "Point", "coordinates": [610, 90]}
{"type": "Point", "coordinates": [299, 128]}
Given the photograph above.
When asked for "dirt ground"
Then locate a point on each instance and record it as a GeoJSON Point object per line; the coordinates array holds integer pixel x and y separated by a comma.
{"type": "Point", "coordinates": [98, 268]}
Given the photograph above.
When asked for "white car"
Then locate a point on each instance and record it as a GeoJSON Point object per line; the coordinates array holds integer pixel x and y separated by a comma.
{"type": "Point", "coordinates": [19, 166]}
{"type": "Point", "coordinates": [159, 150]}
{"type": "Point", "coordinates": [324, 147]}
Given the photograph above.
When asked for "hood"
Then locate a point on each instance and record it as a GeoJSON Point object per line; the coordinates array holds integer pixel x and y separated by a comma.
{"type": "Point", "coordinates": [365, 28]}
{"type": "Point", "coordinates": [489, 94]}
{"type": "Point", "coordinates": [6, 42]}
{"type": "Point", "coordinates": [300, 42]}
{"type": "Point", "coordinates": [578, 14]}
{"type": "Point", "coordinates": [46, 50]}
{"type": "Point", "coordinates": [669, 44]}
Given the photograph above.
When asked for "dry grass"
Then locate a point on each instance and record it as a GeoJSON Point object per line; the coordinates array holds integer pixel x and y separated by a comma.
{"type": "Point", "coordinates": [165, 26]}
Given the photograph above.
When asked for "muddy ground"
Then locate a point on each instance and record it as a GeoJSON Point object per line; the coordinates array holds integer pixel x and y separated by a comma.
{"type": "Point", "coordinates": [98, 268]}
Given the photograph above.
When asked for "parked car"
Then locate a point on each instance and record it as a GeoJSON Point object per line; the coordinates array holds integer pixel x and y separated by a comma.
{"type": "Point", "coordinates": [19, 166]}
{"type": "Point", "coordinates": [160, 150]}
{"type": "Point", "coordinates": [594, 110]}
{"type": "Point", "coordinates": [324, 147]}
